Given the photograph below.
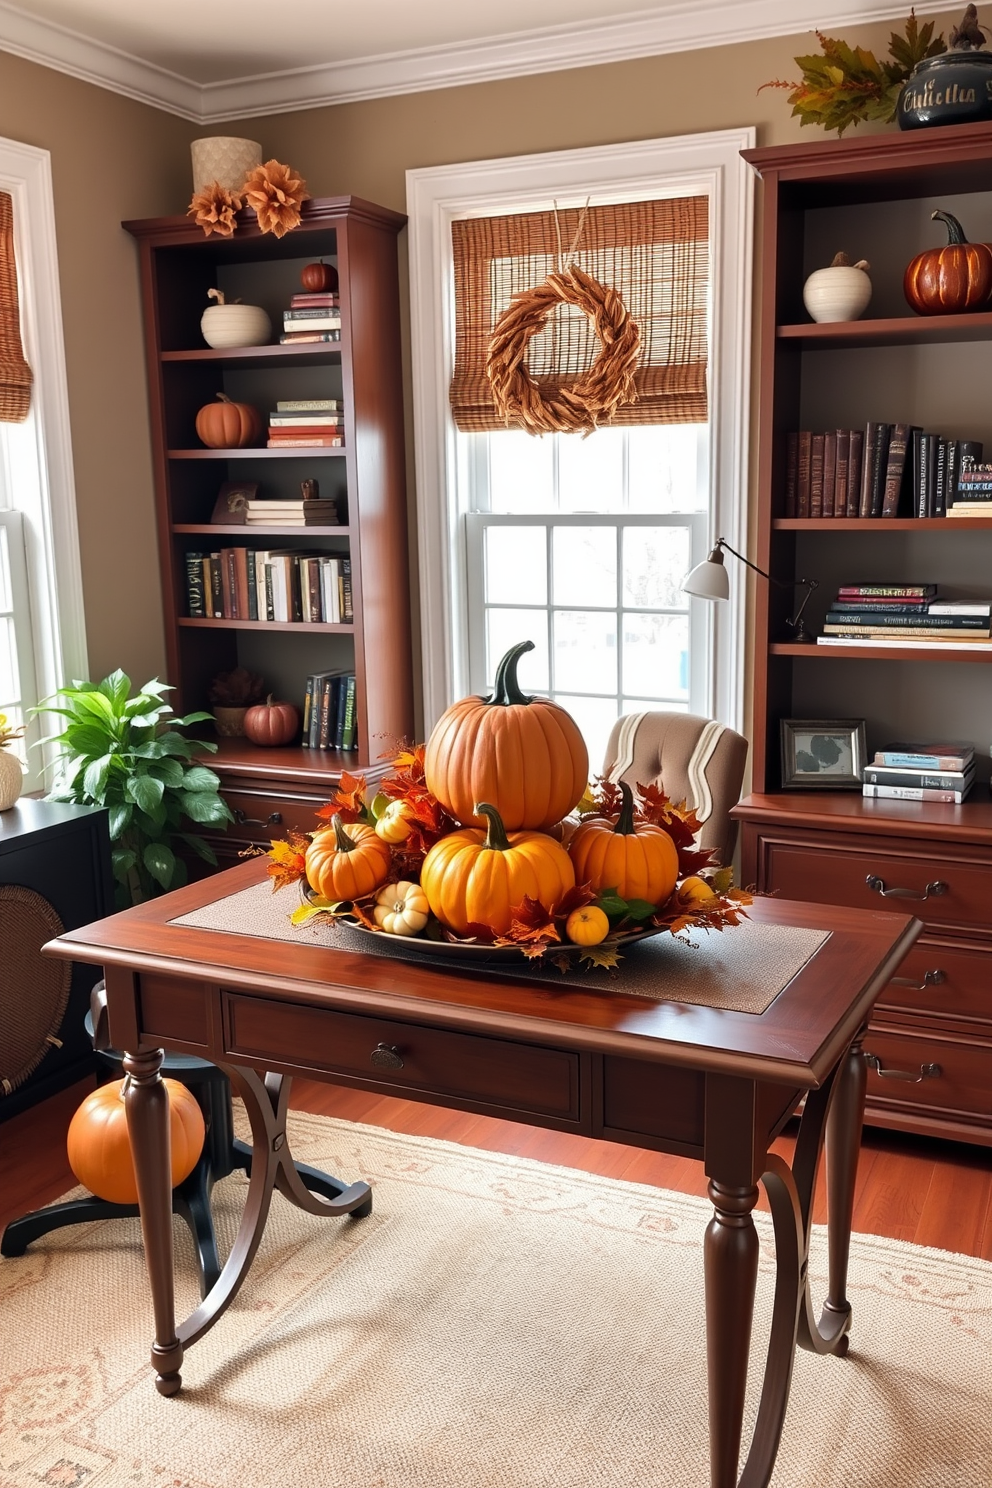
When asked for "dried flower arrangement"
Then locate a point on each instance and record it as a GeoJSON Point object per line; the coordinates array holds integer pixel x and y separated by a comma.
{"type": "Point", "coordinates": [214, 209]}
{"type": "Point", "coordinates": [273, 191]}
{"type": "Point", "coordinates": [237, 689]}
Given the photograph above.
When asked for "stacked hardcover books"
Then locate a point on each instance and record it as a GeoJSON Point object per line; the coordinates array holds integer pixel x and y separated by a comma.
{"type": "Point", "coordinates": [312, 317]}
{"type": "Point", "coordinates": [306, 423]}
{"type": "Point", "coordinates": [921, 772]}
{"type": "Point", "coordinates": [275, 585]}
{"type": "Point", "coordinates": [909, 615]}
{"type": "Point", "coordinates": [329, 711]}
{"type": "Point", "coordinates": [884, 470]}
{"type": "Point", "coordinates": [973, 492]}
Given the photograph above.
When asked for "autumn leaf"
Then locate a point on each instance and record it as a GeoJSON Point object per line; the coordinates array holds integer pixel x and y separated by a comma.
{"type": "Point", "coordinates": [604, 955]}
{"type": "Point", "coordinates": [530, 915]}
{"type": "Point", "coordinates": [313, 909]}
{"type": "Point", "coordinates": [288, 863]}
{"type": "Point", "coordinates": [576, 897]}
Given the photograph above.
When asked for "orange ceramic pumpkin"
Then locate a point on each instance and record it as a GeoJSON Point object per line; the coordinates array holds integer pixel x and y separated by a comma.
{"type": "Point", "coordinates": [227, 425]}
{"type": "Point", "coordinates": [347, 861]}
{"type": "Point", "coordinates": [946, 281]}
{"type": "Point", "coordinates": [479, 877]}
{"type": "Point", "coordinates": [524, 754]}
{"type": "Point", "coordinates": [100, 1149]}
{"type": "Point", "coordinates": [319, 278]}
{"type": "Point", "coordinates": [637, 859]}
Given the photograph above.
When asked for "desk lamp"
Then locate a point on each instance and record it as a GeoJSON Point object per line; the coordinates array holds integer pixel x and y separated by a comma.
{"type": "Point", "coordinates": [709, 580]}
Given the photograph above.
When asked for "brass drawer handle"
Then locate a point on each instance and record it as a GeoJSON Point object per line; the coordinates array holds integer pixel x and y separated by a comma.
{"type": "Point", "coordinates": [930, 979]}
{"type": "Point", "coordinates": [386, 1056]}
{"type": "Point", "coordinates": [274, 819]}
{"type": "Point", "coordinates": [877, 885]}
{"type": "Point", "coordinates": [927, 1071]}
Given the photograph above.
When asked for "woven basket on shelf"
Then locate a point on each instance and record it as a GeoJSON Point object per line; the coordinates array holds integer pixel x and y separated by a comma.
{"type": "Point", "coordinates": [15, 374]}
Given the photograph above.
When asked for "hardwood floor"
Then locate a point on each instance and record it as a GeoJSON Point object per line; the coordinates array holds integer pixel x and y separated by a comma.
{"type": "Point", "coordinates": [926, 1192]}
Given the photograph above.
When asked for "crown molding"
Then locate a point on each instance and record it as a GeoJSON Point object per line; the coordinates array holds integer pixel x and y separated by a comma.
{"type": "Point", "coordinates": [688, 26]}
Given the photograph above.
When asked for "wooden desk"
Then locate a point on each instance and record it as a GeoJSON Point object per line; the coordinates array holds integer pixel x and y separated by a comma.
{"type": "Point", "coordinates": [675, 1077]}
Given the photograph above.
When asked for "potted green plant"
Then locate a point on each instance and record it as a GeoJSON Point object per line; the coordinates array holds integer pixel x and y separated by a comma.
{"type": "Point", "coordinates": [129, 754]}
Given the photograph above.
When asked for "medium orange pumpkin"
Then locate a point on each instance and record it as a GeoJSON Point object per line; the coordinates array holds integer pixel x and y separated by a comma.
{"type": "Point", "coordinates": [480, 877]}
{"type": "Point", "coordinates": [100, 1149]}
{"type": "Point", "coordinates": [347, 860]}
{"type": "Point", "coordinates": [270, 724]}
{"type": "Point", "coordinates": [946, 281]}
{"type": "Point", "coordinates": [227, 425]}
{"type": "Point", "coordinates": [524, 754]}
{"type": "Point", "coordinates": [637, 859]}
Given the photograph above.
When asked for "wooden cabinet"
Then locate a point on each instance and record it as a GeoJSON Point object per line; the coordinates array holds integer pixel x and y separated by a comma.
{"type": "Point", "coordinates": [366, 478]}
{"type": "Point", "coordinates": [932, 1033]}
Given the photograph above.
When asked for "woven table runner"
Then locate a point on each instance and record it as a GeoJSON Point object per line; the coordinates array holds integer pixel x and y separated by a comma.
{"type": "Point", "coordinates": [741, 970]}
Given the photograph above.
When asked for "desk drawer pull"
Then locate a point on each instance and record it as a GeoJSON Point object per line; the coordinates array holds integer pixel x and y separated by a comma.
{"type": "Point", "coordinates": [877, 885]}
{"type": "Point", "coordinates": [274, 819]}
{"type": "Point", "coordinates": [385, 1056]}
{"type": "Point", "coordinates": [927, 1071]}
{"type": "Point", "coordinates": [930, 979]}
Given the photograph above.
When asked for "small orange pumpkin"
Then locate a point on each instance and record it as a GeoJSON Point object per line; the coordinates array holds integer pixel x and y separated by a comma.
{"type": "Point", "coordinates": [524, 754]}
{"type": "Point", "coordinates": [100, 1149]}
{"type": "Point", "coordinates": [480, 877]}
{"type": "Point", "coordinates": [227, 425]}
{"type": "Point", "coordinates": [319, 278]}
{"type": "Point", "coordinates": [270, 724]}
{"type": "Point", "coordinates": [347, 861]}
{"type": "Point", "coordinates": [946, 281]}
{"type": "Point", "coordinates": [637, 859]}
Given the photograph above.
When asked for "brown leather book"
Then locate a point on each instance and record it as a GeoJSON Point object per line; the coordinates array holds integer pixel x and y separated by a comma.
{"type": "Point", "coordinates": [895, 469]}
{"type": "Point", "coordinates": [829, 471]}
{"type": "Point", "coordinates": [816, 476]}
{"type": "Point", "coordinates": [802, 473]}
{"type": "Point", "coordinates": [855, 465]}
{"type": "Point", "coordinates": [843, 463]}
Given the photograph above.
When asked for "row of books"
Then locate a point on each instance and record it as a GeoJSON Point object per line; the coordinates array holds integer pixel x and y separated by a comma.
{"type": "Point", "coordinates": [904, 615]}
{"type": "Point", "coordinates": [921, 772]}
{"type": "Point", "coordinates": [312, 317]}
{"type": "Point", "coordinates": [973, 494]}
{"type": "Point", "coordinates": [884, 470]}
{"type": "Point", "coordinates": [306, 423]}
{"type": "Point", "coordinates": [274, 585]}
{"type": "Point", "coordinates": [329, 711]}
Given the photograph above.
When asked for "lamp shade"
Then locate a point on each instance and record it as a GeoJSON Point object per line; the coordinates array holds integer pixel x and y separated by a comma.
{"type": "Point", "coordinates": [708, 580]}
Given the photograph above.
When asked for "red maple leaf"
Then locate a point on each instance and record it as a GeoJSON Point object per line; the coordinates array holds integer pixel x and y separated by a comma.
{"type": "Point", "coordinates": [288, 863]}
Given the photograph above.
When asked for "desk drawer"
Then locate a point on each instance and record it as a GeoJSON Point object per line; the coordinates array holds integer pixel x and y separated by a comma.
{"type": "Point", "coordinates": [261, 817]}
{"type": "Point", "coordinates": [930, 1076]}
{"type": "Point", "coordinates": [948, 982]}
{"type": "Point", "coordinates": [459, 1066]}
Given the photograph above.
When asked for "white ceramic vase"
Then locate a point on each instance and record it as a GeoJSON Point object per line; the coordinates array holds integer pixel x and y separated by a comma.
{"type": "Point", "coordinates": [840, 292]}
{"type": "Point", "coordinates": [11, 779]}
{"type": "Point", "coordinates": [235, 325]}
{"type": "Point", "coordinates": [225, 159]}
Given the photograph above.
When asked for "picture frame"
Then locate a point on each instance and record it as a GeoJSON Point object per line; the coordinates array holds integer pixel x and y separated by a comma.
{"type": "Point", "coordinates": [823, 753]}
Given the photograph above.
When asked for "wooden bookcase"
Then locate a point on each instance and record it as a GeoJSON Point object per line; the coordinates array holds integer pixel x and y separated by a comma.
{"type": "Point", "coordinates": [273, 789]}
{"type": "Point", "coordinates": [932, 1031]}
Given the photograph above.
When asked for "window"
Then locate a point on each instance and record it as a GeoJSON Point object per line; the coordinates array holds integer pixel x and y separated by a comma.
{"type": "Point", "coordinates": [581, 544]}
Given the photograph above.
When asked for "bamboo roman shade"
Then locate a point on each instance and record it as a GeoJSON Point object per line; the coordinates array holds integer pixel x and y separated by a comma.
{"type": "Point", "coordinates": [655, 253]}
{"type": "Point", "coordinates": [15, 374]}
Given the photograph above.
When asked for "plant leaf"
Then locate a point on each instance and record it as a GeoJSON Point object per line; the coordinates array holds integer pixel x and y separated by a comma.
{"type": "Point", "coordinates": [160, 862]}
{"type": "Point", "coordinates": [196, 844]}
{"type": "Point", "coordinates": [145, 792]}
{"type": "Point", "coordinates": [199, 778]}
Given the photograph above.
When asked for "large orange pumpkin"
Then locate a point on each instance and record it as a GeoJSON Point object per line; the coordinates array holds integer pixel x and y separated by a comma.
{"type": "Point", "coordinates": [637, 859]}
{"type": "Point", "coordinates": [524, 754]}
{"type": "Point", "coordinates": [100, 1149]}
{"type": "Point", "coordinates": [946, 281]}
{"type": "Point", "coordinates": [227, 425]}
{"type": "Point", "coordinates": [479, 877]}
{"type": "Point", "coordinates": [347, 861]}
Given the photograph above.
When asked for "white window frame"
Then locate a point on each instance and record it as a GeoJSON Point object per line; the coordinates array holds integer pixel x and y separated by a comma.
{"type": "Point", "coordinates": [37, 473]}
{"type": "Point", "coordinates": [701, 164]}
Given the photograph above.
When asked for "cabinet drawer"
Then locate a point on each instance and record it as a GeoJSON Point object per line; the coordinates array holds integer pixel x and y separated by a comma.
{"type": "Point", "coordinates": [259, 818]}
{"type": "Point", "coordinates": [941, 981]}
{"type": "Point", "coordinates": [930, 1075]}
{"type": "Point", "coordinates": [838, 875]}
{"type": "Point", "coordinates": [493, 1072]}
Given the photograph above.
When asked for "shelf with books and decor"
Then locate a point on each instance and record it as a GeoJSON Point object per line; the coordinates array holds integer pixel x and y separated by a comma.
{"type": "Point", "coordinates": [894, 412]}
{"type": "Point", "coordinates": [282, 507]}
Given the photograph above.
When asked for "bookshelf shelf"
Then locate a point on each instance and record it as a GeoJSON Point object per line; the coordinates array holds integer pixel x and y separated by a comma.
{"type": "Point", "coordinates": [882, 653]}
{"type": "Point", "coordinates": [257, 529]}
{"type": "Point", "coordinates": [902, 330]}
{"type": "Point", "coordinates": [260, 356]}
{"type": "Point", "coordinates": [250, 452]}
{"type": "Point", "coordinates": [882, 524]}
{"type": "Point", "coordinates": [296, 626]}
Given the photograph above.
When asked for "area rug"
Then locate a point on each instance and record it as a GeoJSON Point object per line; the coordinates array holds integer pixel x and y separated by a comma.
{"type": "Point", "coordinates": [496, 1323]}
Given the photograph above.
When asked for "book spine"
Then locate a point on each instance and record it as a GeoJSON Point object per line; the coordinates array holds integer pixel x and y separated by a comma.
{"type": "Point", "coordinates": [829, 472]}
{"type": "Point", "coordinates": [791, 472]}
{"type": "Point", "coordinates": [327, 691]}
{"type": "Point", "coordinates": [803, 472]}
{"type": "Point", "coordinates": [241, 583]}
{"type": "Point", "coordinates": [930, 443]}
{"type": "Point", "coordinates": [252, 584]}
{"type": "Point", "coordinates": [908, 793]}
{"type": "Point", "coordinates": [898, 759]}
{"type": "Point", "coordinates": [911, 632]}
{"type": "Point", "coordinates": [270, 593]}
{"type": "Point", "coordinates": [313, 441]}
{"type": "Point", "coordinates": [895, 591]}
{"type": "Point", "coordinates": [217, 585]}
{"type": "Point", "coordinates": [318, 684]}
{"type": "Point", "coordinates": [816, 477]}
{"type": "Point", "coordinates": [918, 779]}
{"type": "Point", "coordinates": [227, 582]}
{"type": "Point", "coordinates": [308, 405]}
{"type": "Point", "coordinates": [879, 466]}
{"type": "Point", "coordinates": [843, 465]}
{"type": "Point", "coordinates": [953, 468]}
{"type": "Point", "coordinates": [854, 466]}
{"type": "Point", "coordinates": [307, 712]}
{"type": "Point", "coordinates": [898, 621]}
{"type": "Point", "coordinates": [316, 608]}
{"type": "Point", "coordinates": [894, 470]}
{"type": "Point", "coordinates": [866, 609]}
{"type": "Point", "coordinates": [347, 606]}
{"type": "Point", "coordinates": [940, 478]}
{"type": "Point", "coordinates": [864, 497]}
{"type": "Point", "coordinates": [340, 694]}
{"type": "Point", "coordinates": [196, 599]}
{"type": "Point", "coordinates": [348, 737]}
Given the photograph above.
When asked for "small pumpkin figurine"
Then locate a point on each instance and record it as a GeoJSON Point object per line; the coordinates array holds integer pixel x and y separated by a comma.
{"type": "Point", "coordinates": [523, 754]}
{"type": "Point", "coordinates": [99, 1147]}
{"type": "Point", "coordinates": [401, 908]}
{"type": "Point", "coordinates": [476, 877]}
{"type": "Point", "coordinates": [270, 724]}
{"type": "Point", "coordinates": [346, 861]}
{"type": "Point", "coordinates": [319, 278]}
{"type": "Point", "coordinates": [637, 859]}
{"type": "Point", "coordinates": [228, 425]}
{"type": "Point", "coordinates": [949, 280]}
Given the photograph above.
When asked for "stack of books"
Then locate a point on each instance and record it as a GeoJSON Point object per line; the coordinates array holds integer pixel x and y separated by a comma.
{"type": "Point", "coordinates": [329, 711]}
{"type": "Point", "coordinates": [973, 492]}
{"type": "Point", "coordinates": [885, 470]}
{"type": "Point", "coordinates": [921, 772]}
{"type": "Point", "coordinates": [909, 615]}
{"type": "Point", "coordinates": [316, 511]}
{"type": "Point", "coordinates": [306, 423]}
{"type": "Point", "coordinates": [275, 585]}
{"type": "Point", "coordinates": [312, 317]}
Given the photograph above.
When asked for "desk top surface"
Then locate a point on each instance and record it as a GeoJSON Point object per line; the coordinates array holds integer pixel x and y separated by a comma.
{"type": "Point", "coordinates": [797, 1039]}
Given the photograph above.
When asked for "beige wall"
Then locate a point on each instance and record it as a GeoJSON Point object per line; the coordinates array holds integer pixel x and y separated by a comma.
{"type": "Point", "coordinates": [114, 159]}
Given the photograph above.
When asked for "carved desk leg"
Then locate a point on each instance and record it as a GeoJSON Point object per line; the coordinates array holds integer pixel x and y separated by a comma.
{"type": "Point", "coordinates": [730, 1257]}
{"type": "Point", "coordinates": [844, 1125]}
{"type": "Point", "coordinates": [147, 1106]}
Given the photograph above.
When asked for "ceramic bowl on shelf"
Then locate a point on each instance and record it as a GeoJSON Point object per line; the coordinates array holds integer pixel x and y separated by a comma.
{"type": "Point", "coordinates": [225, 326]}
{"type": "Point", "coordinates": [840, 292]}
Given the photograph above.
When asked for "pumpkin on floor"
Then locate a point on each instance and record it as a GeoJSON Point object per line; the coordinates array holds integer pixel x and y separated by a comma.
{"type": "Point", "coordinates": [99, 1146]}
{"type": "Point", "coordinates": [637, 859]}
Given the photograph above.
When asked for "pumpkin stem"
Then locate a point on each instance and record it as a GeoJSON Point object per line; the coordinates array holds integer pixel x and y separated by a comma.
{"type": "Point", "coordinates": [507, 688]}
{"type": "Point", "coordinates": [216, 294]}
{"type": "Point", "coordinates": [496, 838]}
{"type": "Point", "coordinates": [341, 839]}
{"type": "Point", "coordinates": [222, 397]}
{"type": "Point", "coordinates": [955, 232]}
{"type": "Point", "coordinates": [840, 261]}
{"type": "Point", "coordinates": [625, 821]}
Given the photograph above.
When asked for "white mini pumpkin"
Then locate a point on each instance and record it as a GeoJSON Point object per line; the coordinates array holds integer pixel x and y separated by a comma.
{"type": "Point", "coordinates": [401, 908]}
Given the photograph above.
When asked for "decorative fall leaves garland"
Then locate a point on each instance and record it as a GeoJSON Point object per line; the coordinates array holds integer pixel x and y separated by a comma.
{"type": "Point", "coordinates": [273, 191]}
